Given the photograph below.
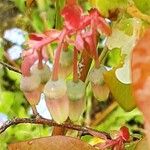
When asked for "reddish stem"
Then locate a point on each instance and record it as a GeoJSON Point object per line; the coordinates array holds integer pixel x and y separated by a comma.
{"type": "Point", "coordinates": [75, 65]}
{"type": "Point", "coordinates": [40, 58]}
{"type": "Point", "coordinates": [57, 56]}
{"type": "Point", "coordinates": [94, 40]}
{"type": "Point", "coordinates": [86, 63]}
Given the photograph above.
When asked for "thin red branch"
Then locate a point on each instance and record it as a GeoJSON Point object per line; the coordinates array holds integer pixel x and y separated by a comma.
{"type": "Point", "coordinates": [43, 121]}
{"type": "Point", "coordinates": [57, 56]}
{"type": "Point", "coordinates": [40, 58]}
{"type": "Point", "coordinates": [75, 65]}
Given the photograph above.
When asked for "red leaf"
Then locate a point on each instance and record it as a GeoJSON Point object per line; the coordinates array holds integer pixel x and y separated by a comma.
{"type": "Point", "coordinates": [124, 133]}
{"type": "Point", "coordinates": [36, 37]}
{"type": "Point", "coordinates": [72, 16]}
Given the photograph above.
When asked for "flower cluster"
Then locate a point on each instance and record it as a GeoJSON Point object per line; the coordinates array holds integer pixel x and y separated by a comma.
{"type": "Point", "coordinates": [80, 33]}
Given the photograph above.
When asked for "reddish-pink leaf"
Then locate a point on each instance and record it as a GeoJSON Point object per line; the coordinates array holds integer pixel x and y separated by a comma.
{"type": "Point", "coordinates": [72, 16]}
{"type": "Point", "coordinates": [124, 133]}
{"type": "Point", "coordinates": [36, 37]}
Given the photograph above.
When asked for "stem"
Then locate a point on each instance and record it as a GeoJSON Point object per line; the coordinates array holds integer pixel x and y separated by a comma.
{"type": "Point", "coordinates": [35, 113]}
{"type": "Point", "coordinates": [58, 131]}
{"type": "Point", "coordinates": [40, 57]}
{"type": "Point", "coordinates": [94, 40]}
{"type": "Point", "coordinates": [43, 121]}
{"type": "Point", "coordinates": [103, 54]}
{"type": "Point", "coordinates": [97, 63]}
{"type": "Point", "coordinates": [57, 56]}
{"type": "Point", "coordinates": [75, 65]}
{"type": "Point", "coordinates": [10, 67]}
{"type": "Point", "coordinates": [100, 116]}
{"type": "Point", "coordinates": [85, 61]}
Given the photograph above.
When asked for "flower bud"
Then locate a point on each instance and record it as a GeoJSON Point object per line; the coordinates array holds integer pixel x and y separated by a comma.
{"type": "Point", "coordinates": [101, 92]}
{"type": "Point", "coordinates": [65, 63]}
{"type": "Point", "coordinates": [44, 73]}
{"type": "Point", "coordinates": [96, 75]}
{"type": "Point", "coordinates": [76, 92]}
{"type": "Point", "coordinates": [99, 87]}
{"type": "Point", "coordinates": [57, 100]}
{"type": "Point", "coordinates": [30, 85]}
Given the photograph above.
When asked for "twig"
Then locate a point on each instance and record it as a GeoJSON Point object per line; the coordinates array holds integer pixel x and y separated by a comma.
{"type": "Point", "coordinates": [102, 115]}
{"type": "Point", "coordinates": [43, 121]}
{"type": "Point", "coordinates": [10, 67]}
{"type": "Point", "coordinates": [10, 61]}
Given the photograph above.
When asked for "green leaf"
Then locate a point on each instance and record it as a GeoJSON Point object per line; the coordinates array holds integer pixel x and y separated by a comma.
{"type": "Point", "coordinates": [143, 5]}
{"type": "Point", "coordinates": [20, 4]}
{"type": "Point", "coordinates": [121, 92]}
{"type": "Point", "coordinates": [59, 7]}
{"type": "Point", "coordinates": [6, 101]}
{"type": "Point", "coordinates": [126, 25]}
{"type": "Point", "coordinates": [114, 57]}
{"type": "Point", "coordinates": [105, 6]}
{"type": "Point", "coordinates": [117, 118]}
{"type": "Point", "coordinates": [14, 76]}
{"type": "Point", "coordinates": [37, 22]}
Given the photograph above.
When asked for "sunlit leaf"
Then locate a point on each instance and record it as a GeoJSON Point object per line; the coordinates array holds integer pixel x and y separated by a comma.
{"type": "Point", "coordinates": [6, 101]}
{"type": "Point", "coordinates": [105, 6]}
{"type": "Point", "coordinates": [122, 93]}
{"type": "Point", "coordinates": [119, 39]}
{"type": "Point", "coordinates": [143, 5]}
{"type": "Point", "coordinates": [118, 118]}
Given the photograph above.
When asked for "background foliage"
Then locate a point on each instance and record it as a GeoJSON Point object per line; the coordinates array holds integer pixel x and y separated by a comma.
{"type": "Point", "coordinates": [44, 14]}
